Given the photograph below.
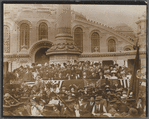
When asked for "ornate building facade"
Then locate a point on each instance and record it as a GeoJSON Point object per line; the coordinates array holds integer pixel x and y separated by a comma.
{"type": "Point", "coordinates": [30, 30]}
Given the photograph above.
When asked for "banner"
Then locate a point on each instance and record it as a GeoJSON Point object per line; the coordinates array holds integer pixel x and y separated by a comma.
{"type": "Point", "coordinates": [78, 83]}
{"type": "Point", "coordinates": [134, 82]}
{"type": "Point", "coordinates": [66, 83]}
{"type": "Point", "coordinates": [54, 82]}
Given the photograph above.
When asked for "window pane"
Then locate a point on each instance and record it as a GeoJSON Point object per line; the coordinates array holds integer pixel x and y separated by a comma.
{"type": "Point", "coordinates": [6, 39]}
{"type": "Point", "coordinates": [111, 46]}
{"type": "Point", "coordinates": [43, 31]}
{"type": "Point", "coordinates": [24, 35]}
{"type": "Point", "coordinates": [78, 38]}
{"type": "Point", "coordinates": [95, 42]}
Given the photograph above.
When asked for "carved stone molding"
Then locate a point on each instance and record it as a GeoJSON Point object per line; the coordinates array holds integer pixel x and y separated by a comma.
{"type": "Point", "coordinates": [64, 48]}
{"type": "Point", "coordinates": [17, 56]}
{"type": "Point", "coordinates": [112, 54]}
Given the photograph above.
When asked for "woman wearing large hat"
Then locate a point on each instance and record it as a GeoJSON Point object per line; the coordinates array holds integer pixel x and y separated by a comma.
{"type": "Point", "coordinates": [114, 79]}
{"type": "Point", "coordinates": [107, 73]}
{"type": "Point", "coordinates": [73, 90]}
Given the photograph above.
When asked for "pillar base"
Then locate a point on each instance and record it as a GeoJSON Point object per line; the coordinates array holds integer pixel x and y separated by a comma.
{"type": "Point", "coordinates": [61, 58]}
{"type": "Point", "coordinates": [62, 52]}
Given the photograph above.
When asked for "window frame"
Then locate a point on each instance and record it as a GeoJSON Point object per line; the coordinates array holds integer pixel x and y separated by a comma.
{"type": "Point", "coordinates": [45, 36]}
{"type": "Point", "coordinates": [80, 34]}
{"type": "Point", "coordinates": [6, 42]}
{"type": "Point", "coordinates": [112, 46]}
{"type": "Point", "coordinates": [97, 38]}
{"type": "Point", "coordinates": [24, 42]}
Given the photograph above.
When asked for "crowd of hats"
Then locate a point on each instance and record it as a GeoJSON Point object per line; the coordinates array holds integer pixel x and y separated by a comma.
{"type": "Point", "coordinates": [55, 99]}
{"type": "Point", "coordinates": [71, 70]}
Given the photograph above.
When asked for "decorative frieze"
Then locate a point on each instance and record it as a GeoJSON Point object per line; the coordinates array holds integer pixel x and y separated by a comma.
{"type": "Point", "coordinates": [17, 56]}
{"type": "Point", "coordinates": [112, 54]}
{"type": "Point", "coordinates": [65, 48]}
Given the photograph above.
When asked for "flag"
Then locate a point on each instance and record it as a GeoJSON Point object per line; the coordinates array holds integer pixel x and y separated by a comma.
{"type": "Point", "coordinates": [134, 82]}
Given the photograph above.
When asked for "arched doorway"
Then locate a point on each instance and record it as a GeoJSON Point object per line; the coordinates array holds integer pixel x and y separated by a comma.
{"type": "Point", "coordinates": [41, 57]}
{"type": "Point", "coordinates": [38, 49]}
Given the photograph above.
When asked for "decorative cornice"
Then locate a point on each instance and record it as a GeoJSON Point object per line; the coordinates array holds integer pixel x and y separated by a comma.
{"type": "Point", "coordinates": [112, 54]}
{"type": "Point", "coordinates": [17, 56]}
{"type": "Point", "coordinates": [106, 54]}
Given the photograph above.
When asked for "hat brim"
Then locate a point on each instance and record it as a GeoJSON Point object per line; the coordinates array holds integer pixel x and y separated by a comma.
{"type": "Point", "coordinates": [67, 101]}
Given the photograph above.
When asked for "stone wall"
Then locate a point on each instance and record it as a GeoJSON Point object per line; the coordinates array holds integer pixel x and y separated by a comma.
{"type": "Point", "coordinates": [34, 16]}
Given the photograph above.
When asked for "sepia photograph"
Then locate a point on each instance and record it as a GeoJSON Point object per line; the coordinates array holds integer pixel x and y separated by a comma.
{"type": "Point", "coordinates": [74, 60]}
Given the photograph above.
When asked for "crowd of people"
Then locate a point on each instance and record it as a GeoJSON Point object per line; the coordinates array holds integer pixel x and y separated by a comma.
{"type": "Point", "coordinates": [110, 99]}
{"type": "Point", "coordinates": [71, 70]}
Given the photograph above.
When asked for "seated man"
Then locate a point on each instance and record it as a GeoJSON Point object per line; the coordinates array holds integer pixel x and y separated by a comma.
{"type": "Point", "coordinates": [83, 107]}
{"type": "Point", "coordinates": [99, 107]}
{"type": "Point", "coordinates": [89, 106]}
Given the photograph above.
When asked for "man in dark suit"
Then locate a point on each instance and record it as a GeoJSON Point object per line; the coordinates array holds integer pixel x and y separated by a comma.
{"type": "Point", "coordinates": [90, 105]}
{"type": "Point", "coordinates": [100, 107]}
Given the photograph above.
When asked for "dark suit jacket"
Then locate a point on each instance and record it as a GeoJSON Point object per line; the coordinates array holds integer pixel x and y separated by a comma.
{"type": "Point", "coordinates": [90, 107]}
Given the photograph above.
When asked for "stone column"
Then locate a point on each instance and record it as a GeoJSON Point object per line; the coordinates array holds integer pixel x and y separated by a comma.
{"type": "Point", "coordinates": [9, 66]}
{"type": "Point", "coordinates": [143, 63]}
{"type": "Point", "coordinates": [120, 62]}
{"type": "Point", "coordinates": [63, 22]}
{"type": "Point", "coordinates": [64, 48]}
{"type": "Point", "coordinates": [126, 63]}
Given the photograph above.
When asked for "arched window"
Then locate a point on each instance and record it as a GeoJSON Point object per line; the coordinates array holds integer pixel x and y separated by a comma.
{"type": "Point", "coordinates": [78, 38]}
{"type": "Point", "coordinates": [24, 35]}
{"type": "Point", "coordinates": [111, 45]}
{"type": "Point", "coordinates": [6, 39]}
{"type": "Point", "coordinates": [95, 42]}
{"type": "Point", "coordinates": [43, 31]}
